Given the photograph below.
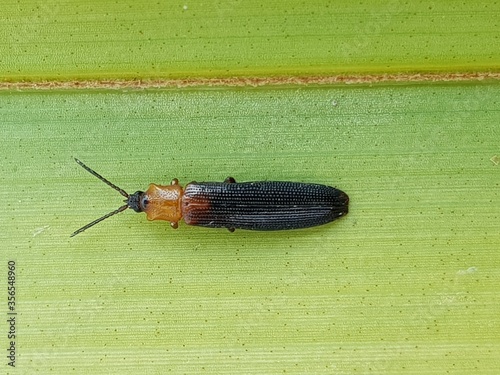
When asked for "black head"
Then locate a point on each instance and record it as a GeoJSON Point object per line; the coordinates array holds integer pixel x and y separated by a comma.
{"type": "Point", "coordinates": [134, 201]}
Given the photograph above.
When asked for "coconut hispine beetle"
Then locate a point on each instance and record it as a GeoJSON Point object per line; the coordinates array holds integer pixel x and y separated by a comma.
{"type": "Point", "coordinates": [261, 205]}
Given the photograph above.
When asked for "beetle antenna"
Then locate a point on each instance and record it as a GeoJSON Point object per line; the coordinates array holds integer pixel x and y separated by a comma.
{"type": "Point", "coordinates": [122, 208]}
{"type": "Point", "coordinates": [109, 183]}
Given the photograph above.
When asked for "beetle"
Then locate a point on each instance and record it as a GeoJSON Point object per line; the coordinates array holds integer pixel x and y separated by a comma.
{"type": "Point", "coordinates": [260, 205]}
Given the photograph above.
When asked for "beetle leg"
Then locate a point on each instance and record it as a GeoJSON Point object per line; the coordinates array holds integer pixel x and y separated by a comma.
{"type": "Point", "coordinates": [230, 180]}
{"type": "Point", "coordinates": [174, 225]}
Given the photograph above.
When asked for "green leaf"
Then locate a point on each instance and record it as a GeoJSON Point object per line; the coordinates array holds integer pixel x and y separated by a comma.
{"type": "Point", "coordinates": [407, 282]}
{"type": "Point", "coordinates": [178, 39]}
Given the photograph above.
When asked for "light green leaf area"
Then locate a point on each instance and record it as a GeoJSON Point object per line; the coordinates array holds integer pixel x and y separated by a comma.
{"type": "Point", "coordinates": [406, 283]}
{"type": "Point", "coordinates": [53, 40]}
